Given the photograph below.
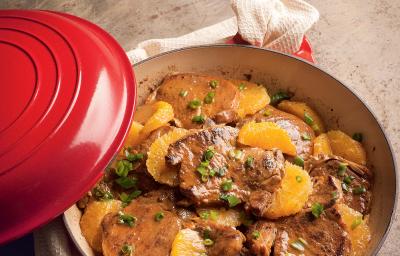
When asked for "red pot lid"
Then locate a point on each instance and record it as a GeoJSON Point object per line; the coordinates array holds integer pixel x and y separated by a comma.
{"type": "Point", "coordinates": [67, 96]}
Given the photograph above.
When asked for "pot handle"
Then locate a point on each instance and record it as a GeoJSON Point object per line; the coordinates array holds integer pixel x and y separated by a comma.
{"type": "Point", "coordinates": [304, 52]}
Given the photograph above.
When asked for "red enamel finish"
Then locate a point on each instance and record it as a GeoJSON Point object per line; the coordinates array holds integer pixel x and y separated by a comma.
{"type": "Point", "coordinates": [67, 96]}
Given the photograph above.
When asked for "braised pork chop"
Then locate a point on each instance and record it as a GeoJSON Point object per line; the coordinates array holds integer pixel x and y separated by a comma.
{"type": "Point", "coordinates": [298, 130]}
{"type": "Point", "coordinates": [355, 179]}
{"type": "Point", "coordinates": [301, 234]}
{"type": "Point", "coordinates": [226, 241]}
{"type": "Point", "coordinates": [217, 98]}
{"type": "Point", "coordinates": [147, 235]}
{"type": "Point", "coordinates": [260, 238]}
{"type": "Point", "coordinates": [327, 191]}
{"type": "Point", "coordinates": [248, 174]}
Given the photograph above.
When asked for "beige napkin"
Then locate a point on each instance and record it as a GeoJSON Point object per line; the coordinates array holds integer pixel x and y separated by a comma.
{"type": "Point", "coordinates": [275, 24]}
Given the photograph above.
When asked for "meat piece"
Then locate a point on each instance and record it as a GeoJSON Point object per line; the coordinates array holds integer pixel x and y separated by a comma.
{"type": "Point", "coordinates": [219, 107]}
{"type": "Point", "coordinates": [147, 236]}
{"type": "Point", "coordinates": [293, 125]}
{"type": "Point", "coordinates": [227, 240]}
{"type": "Point", "coordinates": [324, 236]}
{"type": "Point", "coordinates": [253, 182]}
{"type": "Point", "coordinates": [260, 238]}
{"type": "Point", "coordinates": [355, 179]}
{"type": "Point", "coordinates": [327, 191]}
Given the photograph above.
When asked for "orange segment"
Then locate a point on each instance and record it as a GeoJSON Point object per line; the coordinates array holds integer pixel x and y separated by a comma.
{"type": "Point", "coordinates": [290, 198]}
{"type": "Point", "coordinates": [156, 157]}
{"type": "Point", "coordinates": [266, 135]}
{"type": "Point", "coordinates": [357, 228]}
{"type": "Point", "coordinates": [162, 114]}
{"type": "Point", "coordinates": [133, 136]}
{"type": "Point", "coordinates": [343, 145]}
{"type": "Point", "coordinates": [91, 220]}
{"type": "Point", "coordinates": [253, 97]}
{"type": "Point", "coordinates": [322, 145]}
{"type": "Point", "coordinates": [188, 243]}
{"type": "Point", "coordinates": [300, 109]}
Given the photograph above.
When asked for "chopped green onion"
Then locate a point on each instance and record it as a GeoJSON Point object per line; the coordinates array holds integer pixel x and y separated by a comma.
{"type": "Point", "coordinates": [356, 223]}
{"type": "Point", "coordinates": [198, 119]}
{"type": "Point", "coordinates": [267, 112]}
{"type": "Point", "coordinates": [305, 136]}
{"type": "Point", "coordinates": [102, 193]}
{"type": "Point", "coordinates": [358, 136]}
{"type": "Point", "coordinates": [245, 219]}
{"type": "Point", "coordinates": [256, 234]}
{"type": "Point", "coordinates": [242, 86]}
{"type": "Point", "coordinates": [231, 199]}
{"type": "Point", "coordinates": [221, 171]}
{"type": "Point", "coordinates": [279, 96]}
{"type": "Point", "coordinates": [302, 241]}
{"type": "Point", "coordinates": [209, 98]}
{"type": "Point", "coordinates": [158, 216]}
{"type": "Point", "coordinates": [345, 187]}
{"type": "Point", "coordinates": [237, 154]}
{"type": "Point", "coordinates": [226, 185]}
{"type": "Point", "coordinates": [204, 215]}
{"type": "Point", "coordinates": [359, 190]}
{"type": "Point", "coordinates": [317, 209]}
{"type": "Point", "coordinates": [206, 233]}
{"type": "Point", "coordinates": [127, 182]}
{"type": "Point", "coordinates": [208, 154]}
{"type": "Point", "coordinates": [308, 119]}
{"type": "Point", "coordinates": [348, 179]}
{"type": "Point", "coordinates": [213, 215]}
{"type": "Point", "coordinates": [208, 242]}
{"type": "Point", "coordinates": [249, 162]}
{"type": "Point", "coordinates": [315, 127]}
{"type": "Point", "coordinates": [123, 168]}
{"type": "Point", "coordinates": [194, 104]}
{"type": "Point", "coordinates": [214, 84]}
{"type": "Point", "coordinates": [212, 172]}
{"type": "Point", "coordinates": [127, 198]}
{"type": "Point", "coordinates": [126, 219]}
{"type": "Point", "coordinates": [342, 169]}
{"type": "Point", "coordinates": [126, 250]}
{"type": "Point", "coordinates": [135, 157]}
{"type": "Point", "coordinates": [298, 245]}
{"type": "Point", "coordinates": [335, 195]}
{"type": "Point", "coordinates": [299, 179]}
{"type": "Point", "coordinates": [183, 93]}
{"type": "Point", "coordinates": [298, 161]}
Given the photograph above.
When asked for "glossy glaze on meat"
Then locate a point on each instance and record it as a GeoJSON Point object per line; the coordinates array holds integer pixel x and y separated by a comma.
{"type": "Point", "coordinates": [360, 177]}
{"type": "Point", "coordinates": [253, 185]}
{"type": "Point", "coordinates": [149, 237]}
{"type": "Point", "coordinates": [222, 110]}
